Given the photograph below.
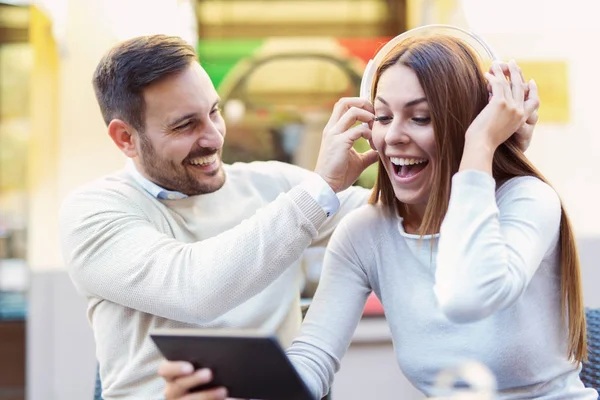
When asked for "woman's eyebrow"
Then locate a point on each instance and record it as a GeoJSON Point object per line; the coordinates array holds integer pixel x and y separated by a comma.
{"type": "Point", "coordinates": [411, 103]}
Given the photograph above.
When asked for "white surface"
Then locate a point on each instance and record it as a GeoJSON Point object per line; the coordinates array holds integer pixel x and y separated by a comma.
{"type": "Point", "coordinates": [14, 275]}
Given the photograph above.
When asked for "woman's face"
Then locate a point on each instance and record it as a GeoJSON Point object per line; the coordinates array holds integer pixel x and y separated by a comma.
{"type": "Point", "coordinates": [403, 135]}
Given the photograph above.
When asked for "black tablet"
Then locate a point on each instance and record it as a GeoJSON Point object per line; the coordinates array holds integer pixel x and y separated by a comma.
{"type": "Point", "coordinates": [249, 363]}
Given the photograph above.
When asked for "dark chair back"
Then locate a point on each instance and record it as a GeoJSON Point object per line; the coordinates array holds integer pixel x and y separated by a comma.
{"type": "Point", "coordinates": [98, 389]}
{"type": "Point", "coordinates": [590, 372]}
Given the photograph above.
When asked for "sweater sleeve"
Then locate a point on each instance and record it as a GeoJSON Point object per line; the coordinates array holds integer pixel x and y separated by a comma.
{"type": "Point", "coordinates": [492, 244]}
{"type": "Point", "coordinates": [350, 199]}
{"type": "Point", "coordinates": [114, 252]}
{"type": "Point", "coordinates": [334, 314]}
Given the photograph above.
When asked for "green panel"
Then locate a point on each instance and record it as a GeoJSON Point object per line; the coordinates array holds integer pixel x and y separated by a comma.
{"type": "Point", "coordinates": [219, 56]}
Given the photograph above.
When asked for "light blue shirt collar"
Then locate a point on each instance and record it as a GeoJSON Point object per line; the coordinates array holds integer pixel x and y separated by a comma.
{"type": "Point", "coordinates": [151, 187]}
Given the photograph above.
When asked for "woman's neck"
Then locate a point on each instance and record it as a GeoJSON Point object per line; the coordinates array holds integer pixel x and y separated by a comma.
{"type": "Point", "coordinates": [412, 217]}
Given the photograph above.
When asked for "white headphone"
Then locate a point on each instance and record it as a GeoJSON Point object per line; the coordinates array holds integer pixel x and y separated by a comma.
{"type": "Point", "coordinates": [477, 44]}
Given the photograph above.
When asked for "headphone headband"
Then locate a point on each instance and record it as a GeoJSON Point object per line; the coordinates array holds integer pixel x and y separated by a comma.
{"type": "Point", "coordinates": [478, 45]}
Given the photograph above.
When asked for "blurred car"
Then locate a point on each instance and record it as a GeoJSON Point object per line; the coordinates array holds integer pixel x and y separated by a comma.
{"type": "Point", "coordinates": [276, 104]}
{"type": "Point", "coordinates": [277, 101]}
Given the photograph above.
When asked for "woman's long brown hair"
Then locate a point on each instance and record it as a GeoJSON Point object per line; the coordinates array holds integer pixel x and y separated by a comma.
{"type": "Point", "coordinates": [452, 79]}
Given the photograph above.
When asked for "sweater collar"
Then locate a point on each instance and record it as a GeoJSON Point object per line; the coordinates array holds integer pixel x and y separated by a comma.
{"type": "Point", "coordinates": [151, 187]}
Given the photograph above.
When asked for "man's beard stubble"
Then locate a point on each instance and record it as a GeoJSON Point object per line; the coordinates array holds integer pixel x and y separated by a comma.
{"type": "Point", "coordinates": [176, 177]}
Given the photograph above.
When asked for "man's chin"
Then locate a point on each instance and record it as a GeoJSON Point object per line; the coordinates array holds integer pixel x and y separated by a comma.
{"type": "Point", "coordinates": [211, 183]}
{"type": "Point", "coordinates": [204, 174]}
{"type": "Point", "coordinates": [218, 179]}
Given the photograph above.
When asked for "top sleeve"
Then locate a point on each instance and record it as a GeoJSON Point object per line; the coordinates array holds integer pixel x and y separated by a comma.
{"type": "Point", "coordinates": [491, 244]}
{"type": "Point", "coordinates": [113, 251]}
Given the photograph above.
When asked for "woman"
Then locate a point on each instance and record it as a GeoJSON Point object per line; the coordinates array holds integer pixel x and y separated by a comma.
{"type": "Point", "coordinates": [465, 244]}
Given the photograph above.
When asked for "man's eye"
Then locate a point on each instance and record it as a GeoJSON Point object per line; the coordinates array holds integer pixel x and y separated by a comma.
{"type": "Point", "coordinates": [215, 110]}
{"type": "Point", "coordinates": [184, 126]}
{"type": "Point", "coordinates": [383, 120]}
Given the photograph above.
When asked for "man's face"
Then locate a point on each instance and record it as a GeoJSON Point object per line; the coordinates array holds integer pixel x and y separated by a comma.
{"type": "Point", "coordinates": [181, 146]}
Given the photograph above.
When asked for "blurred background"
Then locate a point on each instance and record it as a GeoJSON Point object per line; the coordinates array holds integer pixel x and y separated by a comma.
{"type": "Point", "coordinates": [279, 67]}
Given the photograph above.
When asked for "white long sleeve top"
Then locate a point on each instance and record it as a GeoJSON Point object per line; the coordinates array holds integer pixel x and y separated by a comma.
{"type": "Point", "coordinates": [486, 288]}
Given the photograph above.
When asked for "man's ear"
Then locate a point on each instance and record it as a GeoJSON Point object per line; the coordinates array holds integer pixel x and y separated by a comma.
{"type": "Point", "coordinates": [123, 135]}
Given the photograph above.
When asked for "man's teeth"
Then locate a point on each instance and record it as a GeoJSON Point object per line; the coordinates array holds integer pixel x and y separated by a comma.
{"type": "Point", "coordinates": [407, 161]}
{"type": "Point", "coordinates": [204, 160]}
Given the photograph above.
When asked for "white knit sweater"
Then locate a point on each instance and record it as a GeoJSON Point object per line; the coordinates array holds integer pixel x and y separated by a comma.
{"type": "Point", "coordinates": [487, 288]}
{"type": "Point", "coordinates": [225, 259]}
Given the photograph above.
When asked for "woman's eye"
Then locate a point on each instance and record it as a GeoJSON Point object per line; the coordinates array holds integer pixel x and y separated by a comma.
{"type": "Point", "coordinates": [383, 120]}
{"type": "Point", "coordinates": [422, 121]}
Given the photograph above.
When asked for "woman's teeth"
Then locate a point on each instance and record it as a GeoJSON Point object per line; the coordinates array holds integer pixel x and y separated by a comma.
{"type": "Point", "coordinates": [407, 161]}
{"type": "Point", "coordinates": [206, 160]}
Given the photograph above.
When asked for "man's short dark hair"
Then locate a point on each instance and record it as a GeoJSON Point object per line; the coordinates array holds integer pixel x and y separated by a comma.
{"type": "Point", "coordinates": [128, 68]}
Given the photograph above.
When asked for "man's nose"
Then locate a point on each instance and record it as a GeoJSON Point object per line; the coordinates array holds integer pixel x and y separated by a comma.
{"type": "Point", "coordinates": [211, 137]}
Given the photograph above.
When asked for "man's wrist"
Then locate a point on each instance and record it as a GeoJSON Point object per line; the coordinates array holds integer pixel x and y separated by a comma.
{"type": "Point", "coordinates": [328, 181]}
{"type": "Point", "coordinates": [318, 188]}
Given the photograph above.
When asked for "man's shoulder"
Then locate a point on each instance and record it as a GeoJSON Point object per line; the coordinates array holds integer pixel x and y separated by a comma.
{"type": "Point", "coordinates": [273, 168]}
{"type": "Point", "coordinates": [118, 187]}
{"type": "Point", "coordinates": [272, 172]}
{"type": "Point", "coordinates": [104, 204]}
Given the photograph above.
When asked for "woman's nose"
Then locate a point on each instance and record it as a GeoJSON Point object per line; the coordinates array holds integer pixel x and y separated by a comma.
{"type": "Point", "coordinates": [396, 135]}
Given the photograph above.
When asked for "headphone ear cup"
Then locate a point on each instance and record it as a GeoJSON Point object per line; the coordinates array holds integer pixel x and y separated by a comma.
{"type": "Point", "coordinates": [367, 80]}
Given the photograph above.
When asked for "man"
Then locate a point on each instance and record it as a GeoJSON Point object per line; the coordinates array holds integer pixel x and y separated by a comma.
{"type": "Point", "coordinates": [178, 239]}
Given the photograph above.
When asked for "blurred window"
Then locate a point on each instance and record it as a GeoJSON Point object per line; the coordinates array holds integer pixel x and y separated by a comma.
{"type": "Point", "coordinates": [15, 70]}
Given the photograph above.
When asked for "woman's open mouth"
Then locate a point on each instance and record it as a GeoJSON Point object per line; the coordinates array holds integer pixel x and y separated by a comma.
{"type": "Point", "coordinates": [406, 169]}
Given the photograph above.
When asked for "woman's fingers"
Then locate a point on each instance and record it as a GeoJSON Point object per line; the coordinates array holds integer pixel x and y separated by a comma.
{"type": "Point", "coordinates": [506, 71]}
{"type": "Point", "coordinates": [502, 83]}
{"type": "Point", "coordinates": [496, 87]}
{"type": "Point", "coordinates": [517, 84]}
{"type": "Point", "coordinates": [532, 104]}
{"type": "Point", "coordinates": [345, 104]}
{"type": "Point", "coordinates": [345, 125]}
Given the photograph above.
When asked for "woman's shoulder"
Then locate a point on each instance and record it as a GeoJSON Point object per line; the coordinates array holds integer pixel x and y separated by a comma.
{"type": "Point", "coordinates": [367, 219]}
{"type": "Point", "coordinates": [526, 186]}
{"type": "Point", "coordinates": [361, 232]}
{"type": "Point", "coordinates": [529, 190]}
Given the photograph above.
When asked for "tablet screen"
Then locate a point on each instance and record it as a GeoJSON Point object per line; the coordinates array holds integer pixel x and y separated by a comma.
{"type": "Point", "coordinates": [250, 364]}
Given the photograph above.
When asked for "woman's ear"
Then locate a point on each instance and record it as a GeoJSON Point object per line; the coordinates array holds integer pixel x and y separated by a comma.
{"type": "Point", "coordinates": [372, 145]}
{"type": "Point", "coordinates": [370, 125]}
